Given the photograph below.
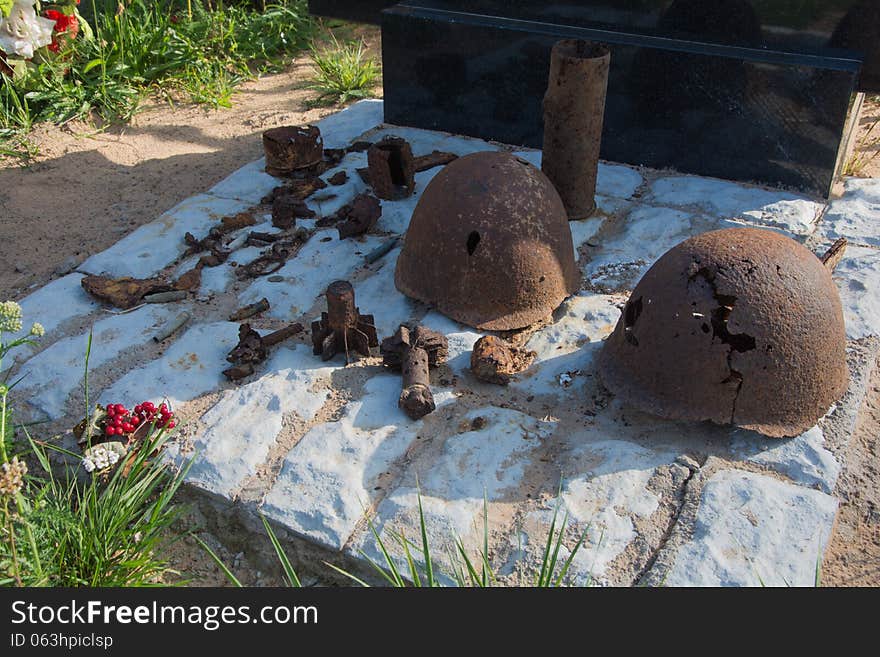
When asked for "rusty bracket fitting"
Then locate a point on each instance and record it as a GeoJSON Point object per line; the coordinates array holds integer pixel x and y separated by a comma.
{"type": "Point", "coordinates": [495, 361]}
{"type": "Point", "coordinates": [343, 328]}
{"type": "Point", "coordinates": [391, 167]}
{"type": "Point", "coordinates": [290, 148]}
{"type": "Point", "coordinates": [415, 352]}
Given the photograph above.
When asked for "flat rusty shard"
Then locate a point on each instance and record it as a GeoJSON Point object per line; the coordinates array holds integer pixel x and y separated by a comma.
{"type": "Point", "coordinates": [741, 326]}
{"type": "Point", "coordinates": [489, 244]}
{"type": "Point", "coordinates": [342, 328]}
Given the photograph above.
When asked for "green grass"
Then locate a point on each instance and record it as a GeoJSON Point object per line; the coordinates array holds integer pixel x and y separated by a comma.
{"type": "Point", "coordinates": [177, 48]}
{"type": "Point", "coordinates": [343, 71]}
{"type": "Point", "coordinates": [62, 527]}
{"type": "Point", "coordinates": [420, 567]}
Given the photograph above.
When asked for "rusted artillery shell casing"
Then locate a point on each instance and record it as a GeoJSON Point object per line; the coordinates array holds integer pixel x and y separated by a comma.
{"type": "Point", "coordinates": [574, 112]}
{"type": "Point", "coordinates": [416, 398]}
{"type": "Point", "coordinates": [341, 310]}
{"type": "Point", "coordinates": [392, 168]}
{"type": "Point", "coordinates": [290, 148]}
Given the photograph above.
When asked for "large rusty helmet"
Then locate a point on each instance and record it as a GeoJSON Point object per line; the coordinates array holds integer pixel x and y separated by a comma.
{"type": "Point", "coordinates": [489, 244]}
{"type": "Point", "coordinates": [741, 326]}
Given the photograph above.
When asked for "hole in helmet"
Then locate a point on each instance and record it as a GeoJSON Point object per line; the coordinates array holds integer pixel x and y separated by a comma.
{"type": "Point", "coordinates": [472, 241]}
{"type": "Point", "coordinates": [630, 316]}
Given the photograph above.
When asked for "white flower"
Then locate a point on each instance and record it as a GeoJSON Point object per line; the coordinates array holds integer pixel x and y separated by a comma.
{"type": "Point", "coordinates": [99, 458]}
{"type": "Point", "coordinates": [22, 32]}
{"type": "Point", "coordinates": [37, 330]}
{"type": "Point", "coordinates": [10, 315]}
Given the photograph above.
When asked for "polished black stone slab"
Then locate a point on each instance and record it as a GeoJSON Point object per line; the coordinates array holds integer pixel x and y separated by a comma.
{"type": "Point", "coordinates": [739, 112]}
{"type": "Point", "coordinates": [832, 28]}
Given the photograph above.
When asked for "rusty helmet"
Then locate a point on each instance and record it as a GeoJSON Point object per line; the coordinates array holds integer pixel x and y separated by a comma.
{"type": "Point", "coordinates": [741, 326]}
{"type": "Point", "coordinates": [489, 244]}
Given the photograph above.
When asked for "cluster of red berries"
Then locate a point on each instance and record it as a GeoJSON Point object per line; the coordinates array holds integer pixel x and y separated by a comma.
{"type": "Point", "coordinates": [121, 421]}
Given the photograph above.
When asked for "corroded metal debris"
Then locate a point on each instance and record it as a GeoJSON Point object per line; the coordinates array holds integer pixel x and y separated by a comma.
{"type": "Point", "coordinates": [338, 178]}
{"type": "Point", "coordinates": [359, 216]}
{"type": "Point", "coordinates": [494, 360]}
{"type": "Point", "coordinates": [274, 257]}
{"type": "Point", "coordinates": [391, 168]}
{"type": "Point", "coordinates": [286, 208]}
{"type": "Point", "coordinates": [123, 292]}
{"type": "Point", "coordinates": [414, 352]}
{"type": "Point", "coordinates": [252, 349]}
{"type": "Point", "coordinates": [433, 159]}
{"type": "Point", "coordinates": [740, 326]}
{"type": "Point", "coordinates": [342, 328]}
{"type": "Point", "coordinates": [574, 110]}
{"type": "Point", "coordinates": [489, 244]}
{"type": "Point", "coordinates": [250, 310]}
{"type": "Point", "coordinates": [290, 148]}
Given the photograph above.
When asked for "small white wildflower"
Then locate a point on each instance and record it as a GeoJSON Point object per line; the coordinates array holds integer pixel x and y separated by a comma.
{"type": "Point", "coordinates": [138, 536]}
{"type": "Point", "coordinates": [88, 464]}
{"type": "Point", "coordinates": [37, 330]}
{"type": "Point", "coordinates": [12, 476]}
{"type": "Point", "coordinates": [10, 317]}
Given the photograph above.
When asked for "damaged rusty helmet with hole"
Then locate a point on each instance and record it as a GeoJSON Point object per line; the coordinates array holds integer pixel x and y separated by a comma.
{"type": "Point", "coordinates": [489, 244]}
{"type": "Point", "coordinates": [741, 326]}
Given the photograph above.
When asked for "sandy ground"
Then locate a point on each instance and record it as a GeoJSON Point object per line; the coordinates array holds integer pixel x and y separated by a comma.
{"type": "Point", "coordinates": [86, 189]}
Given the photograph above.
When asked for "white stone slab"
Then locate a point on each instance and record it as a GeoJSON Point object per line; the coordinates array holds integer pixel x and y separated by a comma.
{"type": "Point", "coordinates": [244, 425]}
{"type": "Point", "coordinates": [423, 142]}
{"type": "Point", "coordinates": [855, 216]}
{"type": "Point", "coordinates": [475, 466]}
{"type": "Point", "coordinates": [634, 244]}
{"type": "Point", "coordinates": [327, 201]}
{"type": "Point", "coordinates": [730, 200]}
{"type": "Point", "coordinates": [583, 230]}
{"type": "Point", "coordinates": [190, 367]}
{"type": "Point", "coordinates": [858, 280]}
{"type": "Point", "coordinates": [307, 276]}
{"type": "Point", "coordinates": [803, 459]}
{"type": "Point", "coordinates": [566, 348]}
{"type": "Point", "coordinates": [328, 479]}
{"type": "Point", "coordinates": [54, 304]}
{"type": "Point", "coordinates": [753, 528]}
{"type": "Point", "coordinates": [377, 295]}
{"type": "Point", "coordinates": [152, 247]}
{"type": "Point", "coordinates": [605, 485]}
{"type": "Point", "coordinates": [53, 374]}
{"type": "Point", "coordinates": [249, 184]}
{"type": "Point", "coordinates": [342, 128]}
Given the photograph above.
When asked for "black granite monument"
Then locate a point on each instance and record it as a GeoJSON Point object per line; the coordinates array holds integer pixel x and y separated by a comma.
{"type": "Point", "coordinates": [760, 90]}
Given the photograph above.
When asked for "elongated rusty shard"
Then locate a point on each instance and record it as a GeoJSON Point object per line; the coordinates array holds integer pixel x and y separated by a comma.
{"type": "Point", "coordinates": [414, 352]}
{"type": "Point", "coordinates": [252, 349]}
{"type": "Point", "coordinates": [342, 329]}
{"type": "Point", "coordinates": [290, 148]}
{"type": "Point", "coordinates": [392, 168]}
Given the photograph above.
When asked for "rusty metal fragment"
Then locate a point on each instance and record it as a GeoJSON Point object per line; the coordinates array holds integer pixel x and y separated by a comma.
{"type": "Point", "coordinates": [489, 244]}
{"type": "Point", "coordinates": [574, 111]}
{"type": "Point", "coordinates": [274, 258]}
{"type": "Point", "coordinates": [290, 148]}
{"type": "Point", "coordinates": [237, 222]}
{"type": "Point", "coordinates": [494, 360]}
{"type": "Point", "coordinates": [260, 306]}
{"type": "Point", "coordinates": [342, 328]}
{"type": "Point", "coordinates": [252, 349]}
{"type": "Point", "coordinates": [285, 210]}
{"type": "Point", "coordinates": [740, 326]}
{"type": "Point", "coordinates": [835, 254]}
{"type": "Point", "coordinates": [433, 159]}
{"type": "Point", "coordinates": [414, 352]}
{"type": "Point", "coordinates": [391, 168]}
{"type": "Point", "coordinates": [191, 280]}
{"type": "Point", "coordinates": [338, 178]}
{"type": "Point", "coordinates": [123, 292]}
{"type": "Point", "coordinates": [359, 216]}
